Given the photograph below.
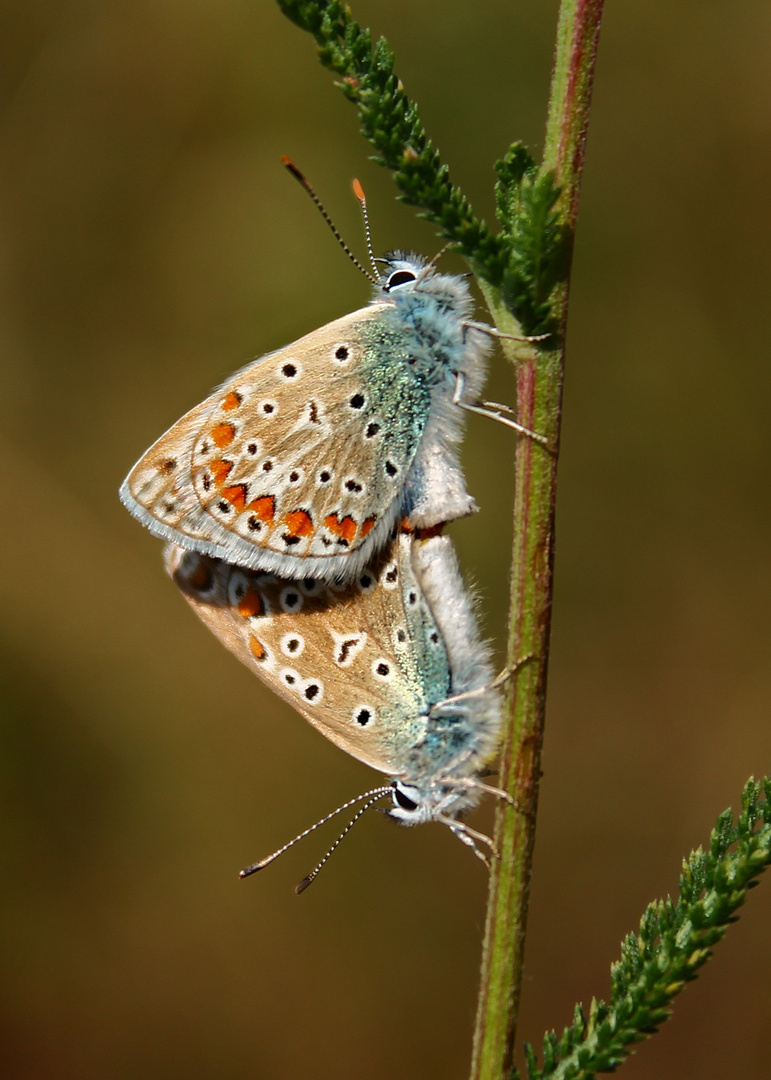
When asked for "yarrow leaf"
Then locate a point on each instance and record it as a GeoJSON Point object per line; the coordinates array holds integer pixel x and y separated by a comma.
{"type": "Point", "coordinates": [526, 260]}
{"type": "Point", "coordinates": [674, 940]}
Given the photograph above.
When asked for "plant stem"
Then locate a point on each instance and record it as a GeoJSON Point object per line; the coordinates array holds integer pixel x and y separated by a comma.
{"type": "Point", "coordinates": [539, 395]}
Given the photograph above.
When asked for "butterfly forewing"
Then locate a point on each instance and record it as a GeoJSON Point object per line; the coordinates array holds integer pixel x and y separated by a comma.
{"type": "Point", "coordinates": [362, 662]}
{"type": "Point", "coordinates": [298, 459]}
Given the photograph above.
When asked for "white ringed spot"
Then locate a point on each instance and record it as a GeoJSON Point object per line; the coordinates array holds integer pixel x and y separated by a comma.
{"type": "Point", "coordinates": [290, 678]}
{"type": "Point", "coordinates": [313, 691]}
{"type": "Point", "coordinates": [292, 644]}
{"type": "Point", "coordinates": [364, 715]}
{"type": "Point", "coordinates": [382, 669]}
{"type": "Point", "coordinates": [389, 578]}
{"type": "Point", "coordinates": [291, 599]}
{"type": "Point", "coordinates": [295, 476]}
{"type": "Point", "coordinates": [289, 370]}
{"type": "Point", "coordinates": [367, 582]}
{"type": "Point", "coordinates": [351, 485]}
{"type": "Point", "coordinates": [373, 428]}
{"type": "Point", "coordinates": [342, 353]}
{"type": "Point", "coordinates": [238, 583]}
{"type": "Point", "coordinates": [221, 508]}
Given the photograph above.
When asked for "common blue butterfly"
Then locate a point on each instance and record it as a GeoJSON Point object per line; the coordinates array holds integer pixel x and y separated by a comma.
{"type": "Point", "coordinates": [389, 667]}
{"type": "Point", "coordinates": [302, 463]}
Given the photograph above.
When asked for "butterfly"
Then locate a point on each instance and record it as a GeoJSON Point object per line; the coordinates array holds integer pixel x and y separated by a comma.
{"type": "Point", "coordinates": [303, 462]}
{"type": "Point", "coordinates": [389, 667]}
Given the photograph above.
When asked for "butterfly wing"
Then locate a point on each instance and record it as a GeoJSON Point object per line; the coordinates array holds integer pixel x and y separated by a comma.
{"type": "Point", "coordinates": [362, 663]}
{"type": "Point", "coordinates": [298, 464]}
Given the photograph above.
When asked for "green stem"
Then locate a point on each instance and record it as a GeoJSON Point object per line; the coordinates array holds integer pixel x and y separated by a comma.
{"type": "Point", "coordinates": [539, 388]}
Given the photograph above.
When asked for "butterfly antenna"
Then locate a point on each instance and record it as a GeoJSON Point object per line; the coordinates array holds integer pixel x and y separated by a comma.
{"type": "Point", "coordinates": [430, 265]}
{"type": "Point", "coordinates": [373, 795]}
{"type": "Point", "coordinates": [306, 881]}
{"type": "Point", "coordinates": [358, 191]}
{"type": "Point", "coordinates": [302, 179]}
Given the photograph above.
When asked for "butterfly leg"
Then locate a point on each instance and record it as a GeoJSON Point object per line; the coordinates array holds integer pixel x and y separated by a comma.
{"type": "Point", "coordinates": [487, 789]}
{"type": "Point", "coordinates": [469, 837]}
{"type": "Point", "coordinates": [455, 704]}
{"type": "Point", "coordinates": [498, 681]}
{"type": "Point", "coordinates": [509, 672]}
{"type": "Point", "coordinates": [479, 785]}
{"type": "Point", "coordinates": [494, 332]}
{"type": "Point", "coordinates": [483, 409]}
{"type": "Point", "coordinates": [500, 405]}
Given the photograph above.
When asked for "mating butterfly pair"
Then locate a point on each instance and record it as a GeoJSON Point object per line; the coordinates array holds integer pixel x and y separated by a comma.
{"type": "Point", "coordinates": [290, 498]}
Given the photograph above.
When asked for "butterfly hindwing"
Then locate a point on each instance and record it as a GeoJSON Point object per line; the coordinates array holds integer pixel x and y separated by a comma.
{"type": "Point", "coordinates": [298, 458]}
{"type": "Point", "coordinates": [362, 662]}
{"type": "Point", "coordinates": [302, 463]}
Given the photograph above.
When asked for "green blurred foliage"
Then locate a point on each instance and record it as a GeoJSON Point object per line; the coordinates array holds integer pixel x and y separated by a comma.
{"type": "Point", "coordinates": [150, 243]}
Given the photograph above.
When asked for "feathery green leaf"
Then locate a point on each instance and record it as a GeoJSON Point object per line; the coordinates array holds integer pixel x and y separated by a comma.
{"type": "Point", "coordinates": [527, 259]}
{"type": "Point", "coordinates": [674, 940]}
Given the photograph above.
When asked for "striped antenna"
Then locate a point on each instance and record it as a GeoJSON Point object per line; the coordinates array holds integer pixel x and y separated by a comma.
{"type": "Point", "coordinates": [290, 166]}
{"type": "Point", "coordinates": [373, 796]}
{"type": "Point", "coordinates": [358, 191]}
{"type": "Point", "coordinates": [306, 881]}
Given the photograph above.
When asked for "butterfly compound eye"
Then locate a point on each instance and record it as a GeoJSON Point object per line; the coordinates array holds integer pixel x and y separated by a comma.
{"type": "Point", "coordinates": [399, 277]}
{"type": "Point", "coordinates": [401, 800]}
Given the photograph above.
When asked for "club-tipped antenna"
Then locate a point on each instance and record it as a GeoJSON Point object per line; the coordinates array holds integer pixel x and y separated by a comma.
{"type": "Point", "coordinates": [373, 795]}
{"type": "Point", "coordinates": [302, 179]}
{"type": "Point", "coordinates": [310, 878]}
{"type": "Point", "coordinates": [358, 191]}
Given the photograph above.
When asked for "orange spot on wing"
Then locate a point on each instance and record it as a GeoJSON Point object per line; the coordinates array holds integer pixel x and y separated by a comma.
{"type": "Point", "coordinates": [250, 604]}
{"type": "Point", "coordinates": [223, 435]}
{"type": "Point", "coordinates": [299, 523]}
{"type": "Point", "coordinates": [433, 530]}
{"type": "Point", "coordinates": [231, 401]}
{"type": "Point", "coordinates": [264, 508]}
{"type": "Point", "coordinates": [345, 529]}
{"type": "Point", "coordinates": [235, 495]}
{"type": "Point", "coordinates": [220, 470]}
{"type": "Point", "coordinates": [366, 526]}
{"type": "Point", "coordinates": [257, 648]}
{"type": "Point", "coordinates": [422, 534]}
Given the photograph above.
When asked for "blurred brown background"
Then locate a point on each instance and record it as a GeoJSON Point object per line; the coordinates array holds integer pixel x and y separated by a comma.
{"type": "Point", "coordinates": [151, 243]}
